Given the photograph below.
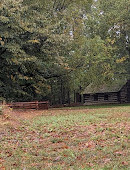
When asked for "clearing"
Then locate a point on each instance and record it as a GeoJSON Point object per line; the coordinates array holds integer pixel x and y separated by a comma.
{"type": "Point", "coordinates": [81, 138]}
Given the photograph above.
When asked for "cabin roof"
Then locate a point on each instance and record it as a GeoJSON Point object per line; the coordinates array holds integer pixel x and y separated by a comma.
{"type": "Point", "coordinates": [115, 86]}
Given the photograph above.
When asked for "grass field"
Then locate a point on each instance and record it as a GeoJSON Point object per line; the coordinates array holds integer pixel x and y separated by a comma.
{"type": "Point", "coordinates": [85, 138]}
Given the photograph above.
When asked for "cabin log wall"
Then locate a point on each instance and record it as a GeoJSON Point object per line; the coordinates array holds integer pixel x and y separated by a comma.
{"type": "Point", "coordinates": [112, 98]}
{"type": "Point", "coordinates": [125, 93]}
{"type": "Point", "coordinates": [121, 96]}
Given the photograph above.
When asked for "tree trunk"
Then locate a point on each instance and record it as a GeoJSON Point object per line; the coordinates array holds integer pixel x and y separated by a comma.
{"type": "Point", "coordinates": [68, 96]}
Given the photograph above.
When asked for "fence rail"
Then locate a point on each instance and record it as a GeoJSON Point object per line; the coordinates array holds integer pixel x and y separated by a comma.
{"type": "Point", "coordinates": [29, 105]}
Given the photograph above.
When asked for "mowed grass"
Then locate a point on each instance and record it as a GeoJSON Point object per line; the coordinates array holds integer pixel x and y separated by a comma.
{"type": "Point", "coordinates": [83, 138]}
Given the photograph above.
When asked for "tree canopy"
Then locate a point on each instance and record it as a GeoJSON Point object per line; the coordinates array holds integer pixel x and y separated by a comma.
{"type": "Point", "coordinates": [51, 49]}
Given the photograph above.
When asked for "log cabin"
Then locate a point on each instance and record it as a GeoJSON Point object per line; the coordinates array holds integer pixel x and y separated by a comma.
{"type": "Point", "coordinates": [107, 94]}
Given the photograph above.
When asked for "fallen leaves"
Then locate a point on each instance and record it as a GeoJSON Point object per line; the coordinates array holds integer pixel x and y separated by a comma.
{"type": "Point", "coordinates": [119, 153]}
{"type": "Point", "coordinates": [100, 142]}
{"type": "Point", "coordinates": [125, 163]}
{"type": "Point", "coordinates": [90, 145]}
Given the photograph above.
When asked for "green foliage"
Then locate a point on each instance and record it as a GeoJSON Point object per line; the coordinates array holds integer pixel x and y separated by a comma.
{"type": "Point", "coordinates": [28, 53]}
{"type": "Point", "coordinates": [49, 50]}
{"type": "Point", "coordinates": [109, 20]}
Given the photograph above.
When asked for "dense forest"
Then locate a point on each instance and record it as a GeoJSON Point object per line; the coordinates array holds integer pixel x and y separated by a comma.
{"type": "Point", "coordinates": [52, 49]}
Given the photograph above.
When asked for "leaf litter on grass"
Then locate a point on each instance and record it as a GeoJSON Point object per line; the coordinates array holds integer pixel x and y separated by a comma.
{"type": "Point", "coordinates": [95, 139]}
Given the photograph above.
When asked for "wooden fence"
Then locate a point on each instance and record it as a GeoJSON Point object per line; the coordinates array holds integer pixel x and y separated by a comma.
{"type": "Point", "coordinates": [29, 105]}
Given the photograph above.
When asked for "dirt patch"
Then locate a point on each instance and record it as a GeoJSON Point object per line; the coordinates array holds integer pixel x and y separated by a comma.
{"type": "Point", "coordinates": [31, 113]}
{"type": "Point", "coordinates": [26, 114]}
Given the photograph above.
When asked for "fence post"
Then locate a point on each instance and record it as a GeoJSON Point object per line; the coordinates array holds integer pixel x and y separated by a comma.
{"type": "Point", "coordinates": [37, 106]}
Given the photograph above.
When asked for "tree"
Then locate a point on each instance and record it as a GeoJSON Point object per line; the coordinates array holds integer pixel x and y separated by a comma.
{"type": "Point", "coordinates": [54, 49]}
{"type": "Point", "coordinates": [110, 21]}
{"type": "Point", "coordinates": [35, 42]}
